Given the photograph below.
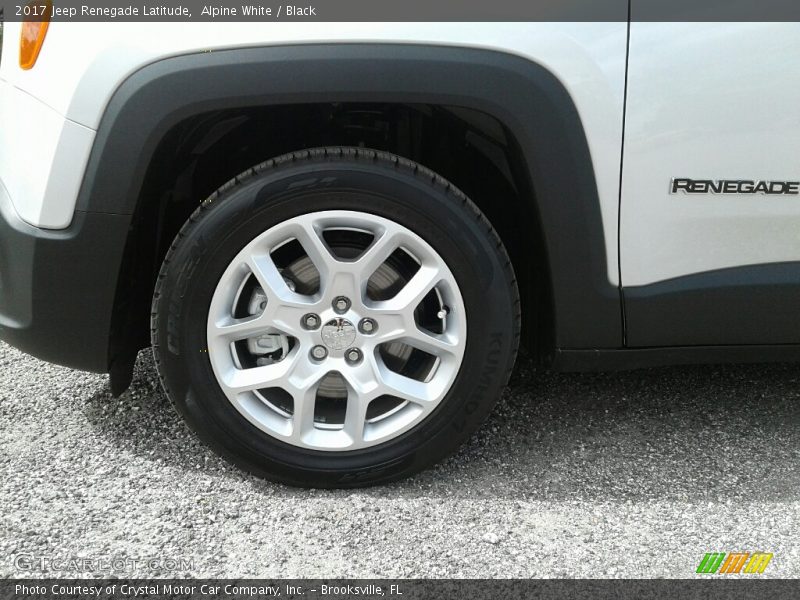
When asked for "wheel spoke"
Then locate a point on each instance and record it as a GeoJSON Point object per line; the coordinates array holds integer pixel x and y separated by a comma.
{"type": "Point", "coordinates": [284, 308]}
{"type": "Point", "coordinates": [382, 247]}
{"type": "Point", "coordinates": [238, 329]}
{"type": "Point", "coordinates": [355, 418]}
{"type": "Point", "coordinates": [409, 297]}
{"type": "Point", "coordinates": [303, 413]}
{"type": "Point", "coordinates": [432, 343]}
{"type": "Point", "coordinates": [302, 383]}
{"type": "Point", "coordinates": [317, 249]}
{"type": "Point", "coordinates": [287, 316]}
{"type": "Point", "coordinates": [268, 277]}
{"type": "Point", "coordinates": [238, 381]}
{"type": "Point", "coordinates": [405, 388]}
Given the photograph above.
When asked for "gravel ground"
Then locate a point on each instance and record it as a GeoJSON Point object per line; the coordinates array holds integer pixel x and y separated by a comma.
{"type": "Point", "coordinates": [603, 475]}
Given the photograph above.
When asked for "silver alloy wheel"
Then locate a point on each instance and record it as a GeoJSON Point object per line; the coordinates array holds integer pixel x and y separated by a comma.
{"type": "Point", "coordinates": [265, 360]}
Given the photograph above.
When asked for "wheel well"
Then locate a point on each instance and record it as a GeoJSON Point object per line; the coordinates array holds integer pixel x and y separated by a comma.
{"type": "Point", "coordinates": [471, 149]}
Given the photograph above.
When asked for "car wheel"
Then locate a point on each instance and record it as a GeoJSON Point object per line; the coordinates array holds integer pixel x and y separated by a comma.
{"type": "Point", "coordinates": [335, 317]}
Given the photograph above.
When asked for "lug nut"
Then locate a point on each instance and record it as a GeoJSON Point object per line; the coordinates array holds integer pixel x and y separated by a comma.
{"type": "Point", "coordinates": [353, 356]}
{"type": "Point", "coordinates": [367, 326]}
{"type": "Point", "coordinates": [311, 321]}
{"type": "Point", "coordinates": [341, 304]}
{"type": "Point", "coordinates": [319, 352]}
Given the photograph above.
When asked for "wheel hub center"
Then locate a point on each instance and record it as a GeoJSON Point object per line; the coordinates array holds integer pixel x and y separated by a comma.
{"type": "Point", "coordinates": [338, 334]}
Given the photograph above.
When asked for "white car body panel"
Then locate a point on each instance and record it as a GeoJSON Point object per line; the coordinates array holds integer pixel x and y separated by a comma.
{"type": "Point", "coordinates": [705, 100]}
{"type": "Point", "coordinates": [42, 158]}
{"type": "Point", "coordinates": [709, 101]}
{"type": "Point", "coordinates": [82, 64]}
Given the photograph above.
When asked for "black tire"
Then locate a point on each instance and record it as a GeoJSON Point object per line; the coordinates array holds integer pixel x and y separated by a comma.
{"type": "Point", "coordinates": [347, 179]}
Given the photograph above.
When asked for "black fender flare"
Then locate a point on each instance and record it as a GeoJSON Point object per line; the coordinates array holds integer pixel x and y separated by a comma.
{"type": "Point", "coordinates": [522, 95]}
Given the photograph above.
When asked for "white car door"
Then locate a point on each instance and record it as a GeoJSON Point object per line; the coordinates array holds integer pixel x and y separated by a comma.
{"type": "Point", "coordinates": [713, 257]}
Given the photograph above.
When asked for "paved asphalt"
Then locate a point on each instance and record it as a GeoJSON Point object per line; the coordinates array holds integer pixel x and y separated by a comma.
{"type": "Point", "coordinates": [601, 475]}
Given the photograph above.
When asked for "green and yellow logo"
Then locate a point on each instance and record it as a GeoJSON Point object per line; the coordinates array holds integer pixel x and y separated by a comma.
{"type": "Point", "coordinates": [734, 562]}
